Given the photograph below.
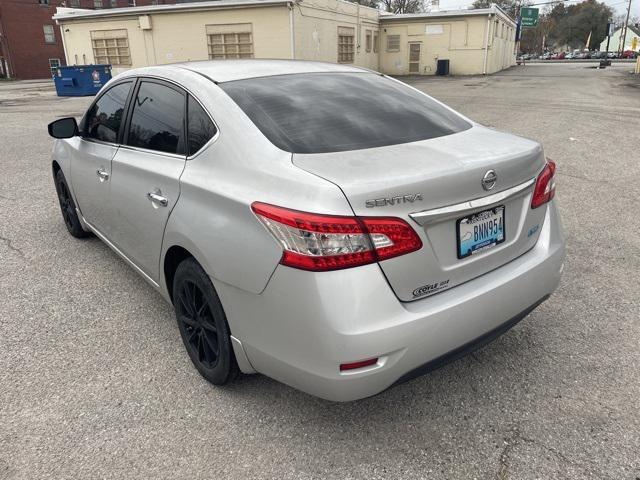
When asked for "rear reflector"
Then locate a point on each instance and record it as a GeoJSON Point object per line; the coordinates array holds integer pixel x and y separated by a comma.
{"type": "Point", "coordinates": [319, 242]}
{"type": "Point", "coordinates": [356, 365]}
{"type": "Point", "coordinates": [545, 185]}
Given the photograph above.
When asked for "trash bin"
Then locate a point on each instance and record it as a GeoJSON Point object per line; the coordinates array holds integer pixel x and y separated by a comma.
{"type": "Point", "coordinates": [81, 80]}
{"type": "Point", "coordinates": [443, 67]}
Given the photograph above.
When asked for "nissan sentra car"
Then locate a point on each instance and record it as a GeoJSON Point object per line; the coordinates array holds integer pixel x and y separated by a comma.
{"type": "Point", "coordinates": [325, 225]}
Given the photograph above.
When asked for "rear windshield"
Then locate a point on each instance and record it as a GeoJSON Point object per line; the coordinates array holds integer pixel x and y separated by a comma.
{"type": "Point", "coordinates": [335, 112]}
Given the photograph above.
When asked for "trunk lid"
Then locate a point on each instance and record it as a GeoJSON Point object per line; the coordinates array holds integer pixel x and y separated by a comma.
{"type": "Point", "coordinates": [439, 181]}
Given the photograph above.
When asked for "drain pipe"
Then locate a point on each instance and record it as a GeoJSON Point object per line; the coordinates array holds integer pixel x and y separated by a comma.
{"type": "Point", "coordinates": [486, 45]}
{"type": "Point", "coordinates": [292, 30]}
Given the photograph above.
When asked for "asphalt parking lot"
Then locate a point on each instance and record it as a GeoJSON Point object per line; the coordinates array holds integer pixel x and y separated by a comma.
{"type": "Point", "coordinates": [95, 383]}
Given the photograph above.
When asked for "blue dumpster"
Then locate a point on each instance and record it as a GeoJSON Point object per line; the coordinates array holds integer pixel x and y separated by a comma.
{"type": "Point", "coordinates": [81, 80]}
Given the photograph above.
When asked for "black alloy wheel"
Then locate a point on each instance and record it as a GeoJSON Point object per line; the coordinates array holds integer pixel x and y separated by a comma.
{"type": "Point", "coordinates": [203, 324]}
{"type": "Point", "coordinates": [68, 207]}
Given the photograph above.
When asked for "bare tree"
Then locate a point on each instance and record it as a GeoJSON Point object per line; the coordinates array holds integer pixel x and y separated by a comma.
{"type": "Point", "coordinates": [404, 6]}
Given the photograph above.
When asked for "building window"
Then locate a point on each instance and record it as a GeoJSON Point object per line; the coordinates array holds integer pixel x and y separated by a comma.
{"type": "Point", "coordinates": [230, 41]}
{"type": "Point", "coordinates": [43, 2]}
{"type": "Point", "coordinates": [111, 47]}
{"type": "Point", "coordinates": [114, 3]}
{"type": "Point", "coordinates": [97, 4]}
{"type": "Point", "coordinates": [393, 43]}
{"type": "Point", "coordinates": [131, 3]}
{"type": "Point", "coordinates": [368, 41]}
{"type": "Point", "coordinates": [75, 3]}
{"type": "Point", "coordinates": [346, 44]}
{"type": "Point", "coordinates": [54, 63]}
{"type": "Point", "coordinates": [49, 34]}
{"type": "Point", "coordinates": [376, 42]}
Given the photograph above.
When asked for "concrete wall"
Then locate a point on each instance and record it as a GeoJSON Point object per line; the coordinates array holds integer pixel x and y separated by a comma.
{"type": "Point", "coordinates": [174, 36]}
{"type": "Point", "coordinates": [316, 25]}
{"type": "Point", "coordinates": [181, 36]}
{"type": "Point", "coordinates": [177, 37]}
{"type": "Point", "coordinates": [459, 39]}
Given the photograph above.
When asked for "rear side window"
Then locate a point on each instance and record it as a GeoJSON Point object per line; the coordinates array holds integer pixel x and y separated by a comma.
{"type": "Point", "coordinates": [335, 112]}
{"type": "Point", "coordinates": [104, 118]}
{"type": "Point", "coordinates": [157, 122]}
{"type": "Point", "coordinates": [200, 127]}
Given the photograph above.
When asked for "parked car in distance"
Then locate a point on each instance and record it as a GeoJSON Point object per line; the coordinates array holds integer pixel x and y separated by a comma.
{"type": "Point", "coordinates": [629, 54]}
{"type": "Point", "coordinates": [568, 56]}
{"type": "Point", "coordinates": [322, 224]}
{"type": "Point", "coordinates": [612, 55]}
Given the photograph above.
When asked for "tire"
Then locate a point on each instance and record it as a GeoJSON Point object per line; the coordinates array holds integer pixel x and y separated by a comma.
{"type": "Point", "coordinates": [68, 207]}
{"type": "Point", "coordinates": [203, 324]}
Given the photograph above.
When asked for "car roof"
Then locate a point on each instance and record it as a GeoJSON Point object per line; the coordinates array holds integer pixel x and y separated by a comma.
{"type": "Point", "coordinates": [229, 70]}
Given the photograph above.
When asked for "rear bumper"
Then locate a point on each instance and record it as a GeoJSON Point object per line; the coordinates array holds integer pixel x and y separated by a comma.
{"type": "Point", "coordinates": [304, 325]}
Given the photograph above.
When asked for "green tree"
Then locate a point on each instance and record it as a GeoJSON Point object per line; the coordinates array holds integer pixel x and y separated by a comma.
{"type": "Point", "coordinates": [579, 20]}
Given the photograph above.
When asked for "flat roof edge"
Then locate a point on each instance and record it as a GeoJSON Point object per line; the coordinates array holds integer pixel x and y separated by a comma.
{"type": "Point", "coordinates": [151, 9]}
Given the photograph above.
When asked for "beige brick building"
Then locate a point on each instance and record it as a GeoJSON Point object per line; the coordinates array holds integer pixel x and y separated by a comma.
{"type": "Point", "coordinates": [474, 41]}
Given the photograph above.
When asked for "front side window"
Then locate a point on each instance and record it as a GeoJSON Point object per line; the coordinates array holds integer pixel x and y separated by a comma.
{"type": "Point", "coordinates": [230, 41]}
{"type": "Point", "coordinates": [200, 128]}
{"type": "Point", "coordinates": [335, 112]}
{"type": "Point", "coordinates": [49, 34]}
{"type": "Point", "coordinates": [104, 119]}
{"type": "Point", "coordinates": [111, 47]}
{"type": "Point", "coordinates": [157, 122]}
{"type": "Point", "coordinates": [346, 44]}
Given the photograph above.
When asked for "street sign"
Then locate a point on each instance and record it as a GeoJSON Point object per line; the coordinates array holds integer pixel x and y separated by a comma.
{"type": "Point", "coordinates": [529, 17]}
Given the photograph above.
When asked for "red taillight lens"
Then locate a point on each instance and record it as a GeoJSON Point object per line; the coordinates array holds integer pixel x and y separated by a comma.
{"type": "Point", "coordinates": [545, 185]}
{"type": "Point", "coordinates": [318, 242]}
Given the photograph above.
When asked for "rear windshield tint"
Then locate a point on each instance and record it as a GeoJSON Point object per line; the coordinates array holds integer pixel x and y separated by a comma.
{"type": "Point", "coordinates": [335, 112]}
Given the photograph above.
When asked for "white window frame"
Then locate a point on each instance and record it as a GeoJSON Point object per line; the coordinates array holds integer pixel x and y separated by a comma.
{"type": "Point", "coordinates": [395, 38]}
{"type": "Point", "coordinates": [346, 44]}
{"type": "Point", "coordinates": [233, 40]}
{"type": "Point", "coordinates": [50, 35]}
{"type": "Point", "coordinates": [52, 67]}
{"type": "Point", "coordinates": [111, 47]}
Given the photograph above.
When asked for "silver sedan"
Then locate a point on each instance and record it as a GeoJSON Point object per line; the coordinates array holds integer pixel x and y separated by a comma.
{"type": "Point", "coordinates": [327, 226]}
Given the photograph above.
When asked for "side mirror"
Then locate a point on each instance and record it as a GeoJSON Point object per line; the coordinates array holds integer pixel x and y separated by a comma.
{"type": "Point", "coordinates": [63, 128]}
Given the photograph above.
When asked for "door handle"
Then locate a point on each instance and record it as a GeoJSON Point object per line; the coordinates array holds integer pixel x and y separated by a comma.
{"type": "Point", "coordinates": [102, 174]}
{"type": "Point", "coordinates": [157, 199]}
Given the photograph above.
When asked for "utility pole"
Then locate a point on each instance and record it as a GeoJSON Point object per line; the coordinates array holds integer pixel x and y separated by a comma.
{"type": "Point", "coordinates": [626, 26]}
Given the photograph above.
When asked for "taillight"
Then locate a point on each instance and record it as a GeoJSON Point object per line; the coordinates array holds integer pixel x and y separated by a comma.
{"type": "Point", "coordinates": [545, 185]}
{"type": "Point", "coordinates": [319, 242]}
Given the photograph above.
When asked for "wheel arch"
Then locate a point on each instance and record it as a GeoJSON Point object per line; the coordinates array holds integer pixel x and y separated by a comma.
{"type": "Point", "coordinates": [172, 258]}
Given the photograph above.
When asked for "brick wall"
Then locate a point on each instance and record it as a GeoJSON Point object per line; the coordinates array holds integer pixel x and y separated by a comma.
{"type": "Point", "coordinates": [22, 39]}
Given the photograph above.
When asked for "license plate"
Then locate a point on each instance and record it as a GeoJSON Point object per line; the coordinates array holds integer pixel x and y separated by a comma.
{"type": "Point", "coordinates": [480, 231]}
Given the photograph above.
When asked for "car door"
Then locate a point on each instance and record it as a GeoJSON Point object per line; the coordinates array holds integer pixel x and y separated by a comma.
{"type": "Point", "coordinates": [100, 130]}
{"type": "Point", "coordinates": [145, 172]}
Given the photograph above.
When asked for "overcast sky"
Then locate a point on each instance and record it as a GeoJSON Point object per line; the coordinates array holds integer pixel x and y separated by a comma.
{"type": "Point", "coordinates": [619, 6]}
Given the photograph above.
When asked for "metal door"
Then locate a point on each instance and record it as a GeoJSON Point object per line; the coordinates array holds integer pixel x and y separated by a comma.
{"type": "Point", "coordinates": [414, 57]}
{"type": "Point", "coordinates": [145, 180]}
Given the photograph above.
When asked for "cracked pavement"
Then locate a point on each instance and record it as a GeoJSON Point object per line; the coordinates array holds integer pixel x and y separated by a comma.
{"type": "Point", "coordinates": [94, 381]}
